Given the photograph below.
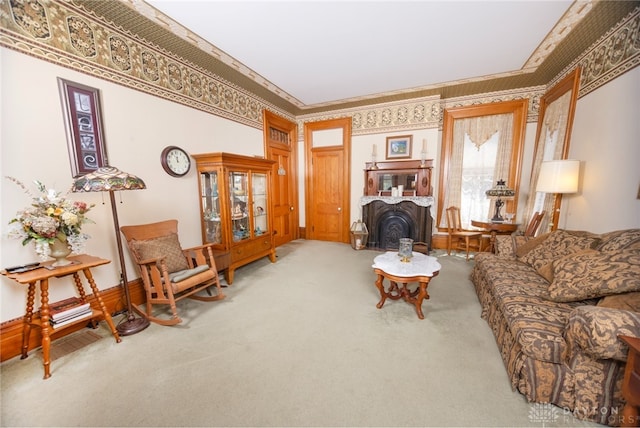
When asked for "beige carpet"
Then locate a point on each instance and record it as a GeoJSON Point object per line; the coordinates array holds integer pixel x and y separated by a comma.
{"type": "Point", "coordinates": [299, 342]}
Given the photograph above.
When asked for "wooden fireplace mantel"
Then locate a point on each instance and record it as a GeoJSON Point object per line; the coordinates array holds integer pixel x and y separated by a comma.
{"type": "Point", "coordinates": [423, 201]}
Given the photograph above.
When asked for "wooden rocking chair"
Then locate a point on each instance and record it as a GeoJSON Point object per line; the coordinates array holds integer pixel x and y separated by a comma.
{"type": "Point", "coordinates": [170, 273]}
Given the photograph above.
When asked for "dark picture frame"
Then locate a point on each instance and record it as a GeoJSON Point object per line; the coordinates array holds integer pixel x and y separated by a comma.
{"type": "Point", "coordinates": [83, 125]}
{"type": "Point", "coordinates": [399, 147]}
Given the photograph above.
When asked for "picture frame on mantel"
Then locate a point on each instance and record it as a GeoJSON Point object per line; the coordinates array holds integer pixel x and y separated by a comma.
{"type": "Point", "coordinates": [399, 147]}
{"type": "Point", "coordinates": [83, 125]}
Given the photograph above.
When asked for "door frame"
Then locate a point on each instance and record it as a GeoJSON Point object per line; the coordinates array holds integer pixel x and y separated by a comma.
{"type": "Point", "coordinates": [309, 128]}
{"type": "Point", "coordinates": [270, 118]}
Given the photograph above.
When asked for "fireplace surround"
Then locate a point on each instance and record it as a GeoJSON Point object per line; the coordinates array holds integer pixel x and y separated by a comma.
{"type": "Point", "coordinates": [390, 218]}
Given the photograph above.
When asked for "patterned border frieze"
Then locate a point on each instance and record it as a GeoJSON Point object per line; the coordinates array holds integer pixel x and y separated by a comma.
{"type": "Point", "coordinates": [533, 94]}
{"type": "Point", "coordinates": [66, 34]}
{"type": "Point", "coordinates": [423, 113]}
{"type": "Point", "coordinates": [386, 117]}
{"type": "Point", "coordinates": [617, 52]}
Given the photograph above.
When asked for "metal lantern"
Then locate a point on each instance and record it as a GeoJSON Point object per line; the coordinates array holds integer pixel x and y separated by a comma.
{"type": "Point", "coordinates": [359, 235]}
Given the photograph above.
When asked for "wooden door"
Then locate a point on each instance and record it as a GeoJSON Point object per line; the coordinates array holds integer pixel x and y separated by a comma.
{"type": "Point", "coordinates": [280, 136]}
{"type": "Point", "coordinates": [328, 159]}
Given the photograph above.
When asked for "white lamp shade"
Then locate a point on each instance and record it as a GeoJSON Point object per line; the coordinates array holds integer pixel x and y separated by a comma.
{"type": "Point", "coordinates": [558, 176]}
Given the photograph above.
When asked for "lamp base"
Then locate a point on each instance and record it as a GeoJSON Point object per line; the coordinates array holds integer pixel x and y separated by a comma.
{"type": "Point", "coordinates": [497, 217]}
{"type": "Point", "coordinates": [132, 326]}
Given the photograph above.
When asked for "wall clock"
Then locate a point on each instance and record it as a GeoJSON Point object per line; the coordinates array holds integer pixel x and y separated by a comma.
{"type": "Point", "coordinates": [175, 161]}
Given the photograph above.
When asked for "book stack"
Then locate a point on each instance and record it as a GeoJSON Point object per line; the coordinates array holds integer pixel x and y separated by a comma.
{"type": "Point", "coordinates": [68, 311]}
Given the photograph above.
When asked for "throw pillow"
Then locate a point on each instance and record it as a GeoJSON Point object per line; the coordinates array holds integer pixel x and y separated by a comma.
{"type": "Point", "coordinates": [525, 244]}
{"type": "Point", "coordinates": [625, 301]}
{"type": "Point", "coordinates": [620, 239]}
{"type": "Point", "coordinates": [504, 247]}
{"type": "Point", "coordinates": [546, 271]}
{"type": "Point", "coordinates": [167, 246]}
{"type": "Point", "coordinates": [559, 243]}
{"type": "Point", "coordinates": [592, 274]}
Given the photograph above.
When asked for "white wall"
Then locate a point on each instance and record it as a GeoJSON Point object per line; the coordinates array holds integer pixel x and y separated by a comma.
{"type": "Point", "coordinates": [361, 149]}
{"type": "Point", "coordinates": [137, 127]}
{"type": "Point", "coordinates": [606, 138]}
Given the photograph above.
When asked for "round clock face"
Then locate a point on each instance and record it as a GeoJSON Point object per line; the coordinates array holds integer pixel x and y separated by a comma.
{"type": "Point", "coordinates": [175, 161]}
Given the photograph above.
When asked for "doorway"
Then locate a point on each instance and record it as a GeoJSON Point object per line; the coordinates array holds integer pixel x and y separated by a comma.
{"type": "Point", "coordinates": [280, 136]}
{"type": "Point", "coordinates": [328, 179]}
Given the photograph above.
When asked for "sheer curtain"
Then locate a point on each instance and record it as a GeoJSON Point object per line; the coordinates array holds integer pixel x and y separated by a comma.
{"type": "Point", "coordinates": [549, 147]}
{"type": "Point", "coordinates": [482, 149]}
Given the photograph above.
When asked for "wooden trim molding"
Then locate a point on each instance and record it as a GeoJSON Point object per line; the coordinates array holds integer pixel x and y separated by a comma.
{"type": "Point", "coordinates": [11, 331]}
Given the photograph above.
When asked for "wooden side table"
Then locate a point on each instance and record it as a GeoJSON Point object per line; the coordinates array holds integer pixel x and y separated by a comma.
{"type": "Point", "coordinates": [494, 229]}
{"type": "Point", "coordinates": [41, 277]}
{"type": "Point", "coordinates": [421, 268]}
{"type": "Point", "coordinates": [631, 383]}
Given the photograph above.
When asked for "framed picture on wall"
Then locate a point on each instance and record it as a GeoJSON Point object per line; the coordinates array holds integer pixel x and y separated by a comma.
{"type": "Point", "coordinates": [399, 147]}
{"type": "Point", "coordinates": [83, 125]}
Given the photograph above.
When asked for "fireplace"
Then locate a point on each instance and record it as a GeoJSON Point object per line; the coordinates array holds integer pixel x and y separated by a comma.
{"type": "Point", "coordinates": [390, 218]}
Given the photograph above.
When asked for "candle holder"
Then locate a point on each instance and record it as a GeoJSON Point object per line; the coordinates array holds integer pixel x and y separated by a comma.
{"type": "Point", "coordinates": [423, 159]}
{"type": "Point", "coordinates": [373, 161]}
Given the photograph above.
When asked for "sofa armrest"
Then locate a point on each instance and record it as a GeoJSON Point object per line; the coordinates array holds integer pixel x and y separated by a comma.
{"type": "Point", "coordinates": [595, 331]}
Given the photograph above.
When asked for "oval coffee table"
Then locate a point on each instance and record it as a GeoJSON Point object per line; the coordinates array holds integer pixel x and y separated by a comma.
{"type": "Point", "coordinates": [420, 268]}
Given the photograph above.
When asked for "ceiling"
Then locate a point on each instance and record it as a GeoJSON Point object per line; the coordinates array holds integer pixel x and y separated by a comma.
{"type": "Point", "coordinates": [326, 51]}
{"type": "Point", "coordinates": [307, 56]}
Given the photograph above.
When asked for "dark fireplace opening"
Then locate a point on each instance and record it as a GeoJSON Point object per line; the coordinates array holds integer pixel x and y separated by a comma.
{"type": "Point", "coordinates": [388, 222]}
{"type": "Point", "coordinates": [392, 226]}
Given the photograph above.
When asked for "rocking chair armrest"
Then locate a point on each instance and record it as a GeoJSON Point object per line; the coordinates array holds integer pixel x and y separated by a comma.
{"type": "Point", "coordinates": [153, 261]}
{"type": "Point", "coordinates": [197, 247]}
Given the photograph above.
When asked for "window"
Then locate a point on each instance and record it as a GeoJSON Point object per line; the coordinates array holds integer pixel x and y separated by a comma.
{"type": "Point", "coordinates": [481, 145]}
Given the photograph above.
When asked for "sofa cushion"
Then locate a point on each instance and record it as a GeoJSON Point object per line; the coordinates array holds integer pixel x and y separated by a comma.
{"type": "Point", "coordinates": [625, 301]}
{"type": "Point", "coordinates": [559, 243]}
{"type": "Point", "coordinates": [620, 240]}
{"type": "Point", "coordinates": [546, 271]}
{"type": "Point", "coordinates": [524, 245]}
{"type": "Point", "coordinates": [164, 246]}
{"type": "Point", "coordinates": [591, 274]}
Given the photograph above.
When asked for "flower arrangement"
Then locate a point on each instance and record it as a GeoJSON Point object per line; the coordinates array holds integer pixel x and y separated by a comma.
{"type": "Point", "coordinates": [50, 217]}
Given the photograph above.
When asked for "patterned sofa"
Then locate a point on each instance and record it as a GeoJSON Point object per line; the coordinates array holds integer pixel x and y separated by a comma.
{"type": "Point", "coordinates": [556, 304]}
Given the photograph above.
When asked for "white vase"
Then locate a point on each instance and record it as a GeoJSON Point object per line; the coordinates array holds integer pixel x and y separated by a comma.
{"type": "Point", "coordinates": [60, 250]}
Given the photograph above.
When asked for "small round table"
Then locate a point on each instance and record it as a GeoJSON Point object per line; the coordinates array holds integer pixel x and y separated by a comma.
{"type": "Point", "coordinates": [494, 229]}
{"type": "Point", "coordinates": [420, 268]}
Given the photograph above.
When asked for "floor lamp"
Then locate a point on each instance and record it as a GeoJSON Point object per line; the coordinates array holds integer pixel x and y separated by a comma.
{"type": "Point", "coordinates": [558, 177]}
{"type": "Point", "coordinates": [111, 179]}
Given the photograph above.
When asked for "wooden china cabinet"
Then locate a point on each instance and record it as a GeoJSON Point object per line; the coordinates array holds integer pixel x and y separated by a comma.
{"type": "Point", "coordinates": [235, 206]}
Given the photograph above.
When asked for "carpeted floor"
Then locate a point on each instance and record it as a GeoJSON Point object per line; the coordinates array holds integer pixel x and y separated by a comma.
{"type": "Point", "coordinates": [299, 342]}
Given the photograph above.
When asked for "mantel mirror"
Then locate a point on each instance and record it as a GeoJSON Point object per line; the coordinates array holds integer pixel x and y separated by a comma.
{"type": "Point", "coordinates": [409, 178]}
{"type": "Point", "coordinates": [390, 180]}
{"type": "Point", "coordinates": [555, 120]}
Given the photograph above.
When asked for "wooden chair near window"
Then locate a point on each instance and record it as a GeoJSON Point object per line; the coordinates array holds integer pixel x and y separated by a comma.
{"type": "Point", "coordinates": [534, 224]}
{"type": "Point", "coordinates": [169, 272]}
{"type": "Point", "coordinates": [458, 238]}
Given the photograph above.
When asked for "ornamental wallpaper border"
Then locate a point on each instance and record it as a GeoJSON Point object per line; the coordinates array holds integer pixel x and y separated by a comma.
{"type": "Point", "coordinates": [71, 37]}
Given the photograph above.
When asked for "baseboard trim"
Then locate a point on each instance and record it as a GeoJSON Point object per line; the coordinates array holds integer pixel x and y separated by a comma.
{"type": "Point", "coordinates": [11, 330]}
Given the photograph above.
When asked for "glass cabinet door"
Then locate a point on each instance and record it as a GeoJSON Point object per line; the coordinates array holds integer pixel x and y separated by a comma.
{"type": "Point", "coordinates": [259, 192]}
{"type": "Point", "coordinates": [211, 207]}
{"type": "Point", "coordinates": [238, 192]}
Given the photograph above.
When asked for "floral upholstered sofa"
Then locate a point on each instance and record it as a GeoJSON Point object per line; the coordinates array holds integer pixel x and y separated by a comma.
{"type": "Point", "coordinates": [556, 304]}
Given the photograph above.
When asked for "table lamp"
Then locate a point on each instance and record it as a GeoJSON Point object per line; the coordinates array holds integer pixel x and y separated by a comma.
{"type": "Point", "coordinates": [111, 179]}
{"type": "Point", "coordinates": [500, 191]}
